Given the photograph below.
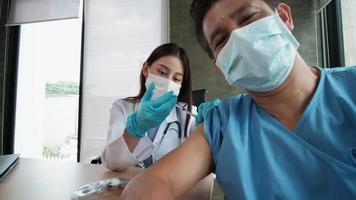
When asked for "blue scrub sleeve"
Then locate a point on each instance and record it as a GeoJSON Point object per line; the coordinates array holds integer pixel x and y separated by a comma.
{"type": "Point", "coordinates": [212, 130]}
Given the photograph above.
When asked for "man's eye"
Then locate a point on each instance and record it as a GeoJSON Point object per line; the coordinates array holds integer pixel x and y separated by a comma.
{"type": "Point", "coordinates": [221, 42]}
{"type": "Point", "coordinates": [247, 19]}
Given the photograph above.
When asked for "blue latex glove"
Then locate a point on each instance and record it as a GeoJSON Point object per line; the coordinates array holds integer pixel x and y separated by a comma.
{"type": "Point", "coordinates": [204, 108]}
{"type": "Point", "coordinates": [150, 113]}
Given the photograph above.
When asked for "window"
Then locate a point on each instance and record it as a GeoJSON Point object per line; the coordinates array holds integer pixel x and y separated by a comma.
{"type": "Point", "coordinates": [338, 31]}
{"type": "Point", "coordinates": [48, 90]}
{"type": "Point", "coordinates": [118, 37]}
{"type": "Point", "coordinates": [349, 31]}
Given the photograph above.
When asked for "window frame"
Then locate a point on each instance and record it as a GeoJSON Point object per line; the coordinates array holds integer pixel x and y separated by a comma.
{"type": "Point", "coordinates": [10, 55]}
{"type": "Point", "coordinates": [332, 39]}
{"type": "Point", "coordinates": [81, 75]}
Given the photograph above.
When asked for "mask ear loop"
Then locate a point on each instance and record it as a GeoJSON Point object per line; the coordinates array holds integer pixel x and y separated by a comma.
{"type": "Point", "coordinates": [214, 62]}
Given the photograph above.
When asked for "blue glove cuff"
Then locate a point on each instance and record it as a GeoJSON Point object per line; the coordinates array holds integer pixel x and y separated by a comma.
{"type": "Point", "coordinates": [132, 127]}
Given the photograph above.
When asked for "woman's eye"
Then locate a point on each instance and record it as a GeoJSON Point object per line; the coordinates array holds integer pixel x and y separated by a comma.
{"type": "Point", "coordinates": [161, 72]}
{"type": "Point", "coordinates": [177, 79]}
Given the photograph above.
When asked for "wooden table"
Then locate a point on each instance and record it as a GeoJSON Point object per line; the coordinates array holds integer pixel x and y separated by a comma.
{"type": "Point", "coordinates": [44, 179]}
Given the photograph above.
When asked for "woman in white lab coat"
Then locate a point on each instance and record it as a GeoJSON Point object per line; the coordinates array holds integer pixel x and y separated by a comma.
{"type": "Point", "coordinates": [139, 138]}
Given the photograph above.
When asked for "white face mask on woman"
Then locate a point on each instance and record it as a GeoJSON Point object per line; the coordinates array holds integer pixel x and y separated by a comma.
{"type": "Point", "coordinates": [163, 85]}
{"type": "Point", "coordinates": [259, 56]}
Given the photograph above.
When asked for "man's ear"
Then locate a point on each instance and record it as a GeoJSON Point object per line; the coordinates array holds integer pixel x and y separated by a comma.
{"type": "Point", "coordinates": [285, 13]}
{"type": "Point", "coordinates": [145, 68]}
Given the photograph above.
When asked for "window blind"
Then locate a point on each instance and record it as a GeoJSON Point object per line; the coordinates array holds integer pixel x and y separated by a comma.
{"type": "Point", "coordinates": [119, 36]}
{"type": "Point", "coordinates": [28, 11]}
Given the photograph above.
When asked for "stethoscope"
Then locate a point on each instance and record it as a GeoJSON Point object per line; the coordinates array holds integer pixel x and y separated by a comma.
{"type": "Point", "coordinates": [181, 137]}
{"type": "Point", "coordinates": [185, 110]}
{"type": "Point", "coordinates": [179, 129]}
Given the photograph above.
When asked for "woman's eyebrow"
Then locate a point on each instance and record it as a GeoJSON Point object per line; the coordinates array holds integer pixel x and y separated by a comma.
{"type": "Point", "coordinates": [164, 66]}
{"type": "Point", "coordinates": [167, 68]}
{"type": "Point", "coordinates": [179, 74]}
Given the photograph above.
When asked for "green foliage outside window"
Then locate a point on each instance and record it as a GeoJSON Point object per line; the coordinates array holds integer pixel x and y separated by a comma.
{"type": "Point", "coordinates": [50, 151]}
{"type": "Point", "coordinates": [62, 89]}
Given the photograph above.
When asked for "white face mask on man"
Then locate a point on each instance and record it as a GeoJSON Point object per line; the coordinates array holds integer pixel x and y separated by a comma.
{"type": "Point", "coordinates": [163, 85]}
{"type": "Point", "coordinates": [259, 56]}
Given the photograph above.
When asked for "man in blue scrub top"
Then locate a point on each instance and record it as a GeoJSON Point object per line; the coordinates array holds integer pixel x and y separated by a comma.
{"type": "Point", "coordinates": [292, 136]}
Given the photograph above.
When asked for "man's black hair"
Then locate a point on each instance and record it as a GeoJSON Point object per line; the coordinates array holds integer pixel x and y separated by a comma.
{"type": "Point", "coordinates": [199, 8]}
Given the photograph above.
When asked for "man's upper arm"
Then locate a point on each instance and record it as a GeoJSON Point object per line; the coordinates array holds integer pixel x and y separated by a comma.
{"type": "Point", "coordinates": [183, 167]}
{"type": "Point", "coordinates": [189, 163]}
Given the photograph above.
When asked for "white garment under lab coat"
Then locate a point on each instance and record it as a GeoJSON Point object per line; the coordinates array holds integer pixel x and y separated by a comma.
{"type": "Point", "coordinates": [116, 154]}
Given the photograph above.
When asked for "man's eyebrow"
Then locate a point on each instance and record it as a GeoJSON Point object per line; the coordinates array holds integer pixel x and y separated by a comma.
{"type": "Point", "coordinates": [215, 33]}
{"type": "Point", "coordinates": [238, 11]}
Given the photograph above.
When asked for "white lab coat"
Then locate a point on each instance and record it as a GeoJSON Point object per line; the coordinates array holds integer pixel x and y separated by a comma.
{"type": "Point", "coordinates": [116, 154]}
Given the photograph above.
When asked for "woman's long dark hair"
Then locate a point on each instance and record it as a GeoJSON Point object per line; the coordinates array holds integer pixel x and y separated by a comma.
{"type": "Point", "coordinates": [185, 94]}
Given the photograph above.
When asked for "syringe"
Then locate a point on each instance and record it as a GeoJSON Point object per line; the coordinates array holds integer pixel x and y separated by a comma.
{"type": "Point", "coordinates": [186, 110]}
{"type": "Point", "coordinates": [95, 188]}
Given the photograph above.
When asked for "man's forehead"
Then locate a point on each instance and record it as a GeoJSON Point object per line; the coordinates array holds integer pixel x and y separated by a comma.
{"type": "Point", "coordinates": [225, 5]}
{"type": "Point", "coordinates": [223, 9]}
